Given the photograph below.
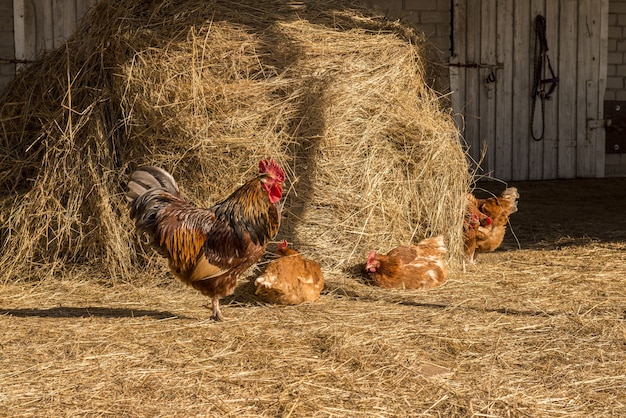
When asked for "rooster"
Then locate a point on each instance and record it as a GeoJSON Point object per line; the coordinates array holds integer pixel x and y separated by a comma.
{"type": "Point", "coordinates": [290, 279]}
{"type": "Point", "coordinates": [207, 248]}
{"type": "Point", "coordinates": [418, 266]}
{"type": "Point", "coordinates": [498, 209]}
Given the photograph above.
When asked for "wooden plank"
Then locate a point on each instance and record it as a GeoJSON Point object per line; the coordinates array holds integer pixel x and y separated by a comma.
{"type": "Point", "coordinates": [63, 20]}
{"type": "Point", "coordinates": [504, 86]}
{"type": "Point", "coordinates": [43, 28]}
{"type": "Point", "coordinates": [30, 29]}
{"type": "Point", "coordinates": [58, 23]}
{"type": "Point", "coordinates": [567, 89]}
{"type": "Point", "coordinates": [456, 94]}
{"type": "Point", "coordinates": [19, 31]}
{"type": "Point", "coordinates": [589, 163]}
{"type": "Point", "coordinates": [535, 148]}
{"type": "Point", "coordinates": [24, 29]}
{"type": "Point", "coordinates": [472, 80]}
{"type": "Point", "coordinates": [47, 25]}
{"type": "Point", "coordinates": [550, 142]}
{"type": "Point", "coordinates": [521, 89]}
{"type": "Point", "coordinates": [39, 29]}
{"type": "Point", "coordinates": [487, 86]}
{"type": "Point", "coordinates": [457, 73]}
{"type": "Point", "coordinates": [602, 56]}
{"type": "Point", "coordinates": [30, 20]}
{"type": "Point", "coordinates": [69, 18]}
{"type": "Point", "coordinates": [586, 102]}
{"type": "Point", "coordinates": [594, 107]}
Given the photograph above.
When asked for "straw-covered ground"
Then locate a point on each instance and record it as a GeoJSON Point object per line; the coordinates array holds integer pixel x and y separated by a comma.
{"type": "Point", "coordinates": [536, 329]}
{"type": "Point", "coordinates": [94, 325]}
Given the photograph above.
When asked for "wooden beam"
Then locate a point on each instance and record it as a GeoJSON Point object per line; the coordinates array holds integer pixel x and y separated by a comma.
{"type": "Point", "coordinates": [535, 148]}
{"type": "Point", "coordinates": [522, 24]}
{"type": "Point", "coordinates": [567, 89]}
{"type": "Point", "coordinates": [551, 133]}
{"type": "Point", "coordinates": [457, 72]}
{"type": "Point", "coordinates": [19, 31]}
{"type": "Point", "coordinates": [602, 57]}
{"type": "Point", "coordinates": [488, 88]}
{"type": "Point", "coordinates": [504, 100]}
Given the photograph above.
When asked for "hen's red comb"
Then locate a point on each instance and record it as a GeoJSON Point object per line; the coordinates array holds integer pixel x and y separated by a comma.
{"type": "Point", "coordinates": [282, 245]}
{"type": "Point", "coordinates": [371, 257]}
{"type": "Point", "coordinates": [270, 166]}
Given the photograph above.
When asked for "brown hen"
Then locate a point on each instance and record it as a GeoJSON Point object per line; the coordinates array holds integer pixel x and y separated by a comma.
{"type": "Point", "coordinates": [290, 279]}
{"type": "Point", "coordinates": [472, 224]}
{"type": "Point", "coordinates": [498, 209]}
{"type": "Point", "coordinates": [418, 266]}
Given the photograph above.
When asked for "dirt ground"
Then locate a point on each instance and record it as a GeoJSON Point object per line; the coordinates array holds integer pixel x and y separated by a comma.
{"type": "Point", "coordinates": [535, 329]}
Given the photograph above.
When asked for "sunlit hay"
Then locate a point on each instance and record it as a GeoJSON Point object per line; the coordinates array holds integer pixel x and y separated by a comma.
{"type": "Point", "coordinates": [531, 332]}
{"type": "Point", "coordinates": [206, 89]}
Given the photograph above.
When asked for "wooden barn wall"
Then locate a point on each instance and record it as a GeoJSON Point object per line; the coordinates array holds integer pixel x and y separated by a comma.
{"type": "Point", "coordinates": [42, 25]}
{"type": "Point", "coordinates": [491, 75]}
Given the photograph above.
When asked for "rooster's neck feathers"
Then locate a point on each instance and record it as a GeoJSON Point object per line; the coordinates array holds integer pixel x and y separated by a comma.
{"type": "Point", "coordinates": [251, 203]}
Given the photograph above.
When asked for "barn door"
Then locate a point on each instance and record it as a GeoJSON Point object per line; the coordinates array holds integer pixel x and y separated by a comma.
{"type": "Point", "coordinates": [491, 77]}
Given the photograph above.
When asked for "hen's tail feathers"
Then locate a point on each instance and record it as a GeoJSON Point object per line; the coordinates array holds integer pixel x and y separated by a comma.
{"type": "Point", "coordinates": [512, 195]}
{"type": "Point", "coordinates": [147, 178]}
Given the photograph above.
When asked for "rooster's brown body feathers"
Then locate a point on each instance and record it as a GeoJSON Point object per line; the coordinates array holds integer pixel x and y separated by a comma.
{"type": "Point", "coordinates": [206, 248]}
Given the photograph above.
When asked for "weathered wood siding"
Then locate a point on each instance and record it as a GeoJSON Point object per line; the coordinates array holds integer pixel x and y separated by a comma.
{"type": "Point", "coordinates": [42, 25]}
{"type": "Point", "coordinates": [492, 76]}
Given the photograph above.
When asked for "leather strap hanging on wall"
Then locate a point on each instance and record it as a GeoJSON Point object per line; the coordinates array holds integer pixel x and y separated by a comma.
{"type": "Point", "coordinates": [539, 84]}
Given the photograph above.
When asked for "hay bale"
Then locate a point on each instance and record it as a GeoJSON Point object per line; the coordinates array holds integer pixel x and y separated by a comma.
{"type": "Point", "coordinates": [205, 89]}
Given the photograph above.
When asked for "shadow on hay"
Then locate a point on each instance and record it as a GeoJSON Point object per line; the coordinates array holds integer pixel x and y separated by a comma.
{"type": "Point", "coordinates": [88, 312]}
{"type": "Point", "coordinates": [309, 133]}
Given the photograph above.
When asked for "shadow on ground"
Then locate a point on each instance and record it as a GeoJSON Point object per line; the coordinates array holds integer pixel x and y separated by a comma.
{"type": "Point", "coordinates": [88, 312]}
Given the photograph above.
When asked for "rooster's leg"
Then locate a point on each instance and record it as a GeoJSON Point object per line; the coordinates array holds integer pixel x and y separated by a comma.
{"type": "Point", "coordinates": [217, 315]}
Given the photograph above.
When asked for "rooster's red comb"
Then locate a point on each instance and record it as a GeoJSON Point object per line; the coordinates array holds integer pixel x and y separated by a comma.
{"type": "Point", "coordinates": [271, 167]}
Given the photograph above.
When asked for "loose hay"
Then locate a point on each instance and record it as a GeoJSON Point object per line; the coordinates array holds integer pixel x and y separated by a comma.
{"type": "Point", "coordinates": [529, 333]}
{"type": "Point", "coordinates": [205, 89]}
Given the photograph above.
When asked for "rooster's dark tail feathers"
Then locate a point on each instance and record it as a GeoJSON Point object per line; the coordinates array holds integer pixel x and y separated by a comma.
{"type": "Point", "coordinates": [147, 178]}
{"type": "Point", "coordinates": [150, 191]}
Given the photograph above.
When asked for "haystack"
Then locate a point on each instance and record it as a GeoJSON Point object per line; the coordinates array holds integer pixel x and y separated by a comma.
{"type": "Point", "coordinates": [205, 89]}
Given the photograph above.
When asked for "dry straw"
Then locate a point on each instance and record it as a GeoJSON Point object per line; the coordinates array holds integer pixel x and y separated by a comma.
{"type": "Point", "coordinates": [205, 89]}
{"type": "Point", "coordinates": [535, 332]}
